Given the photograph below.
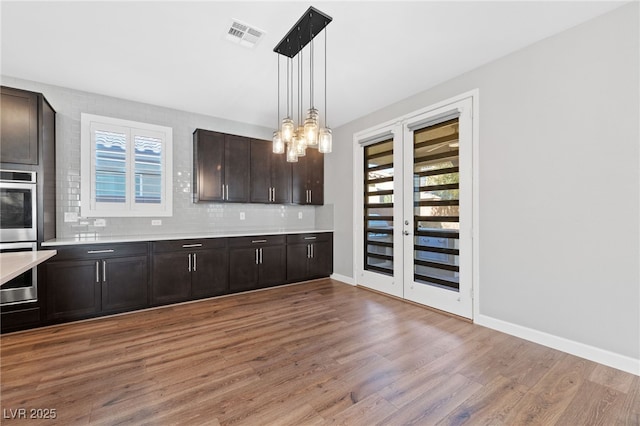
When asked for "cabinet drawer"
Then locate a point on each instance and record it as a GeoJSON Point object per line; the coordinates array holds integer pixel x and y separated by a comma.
{"type": "Point", "coordinates": [188, 245]}
{"type": "Point", "coordinates": [308, 238]}
{"type": "Point", "coordinates": [261, 240]}
{"type": "Point", "coordinates": [100, 251]}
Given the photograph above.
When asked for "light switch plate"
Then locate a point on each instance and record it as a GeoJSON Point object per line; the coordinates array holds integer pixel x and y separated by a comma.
{"type": "Point", "coordinates": [299, 215]}
{"type": "Point", "coordinates": [242, 216]}
{"type": "Point", "coordinates": [156, 222]}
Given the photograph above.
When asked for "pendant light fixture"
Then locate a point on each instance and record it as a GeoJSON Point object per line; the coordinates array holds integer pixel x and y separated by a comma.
{"type": "Point", "coordinates": [292, 138]}
{"type": "Point", "coordinates": [278, 143]}
{"type": "Point", "coordinates": [325, 139]}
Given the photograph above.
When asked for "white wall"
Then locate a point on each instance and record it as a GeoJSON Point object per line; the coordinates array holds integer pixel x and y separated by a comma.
{"type": "Point", "coordinates": [559, 185]}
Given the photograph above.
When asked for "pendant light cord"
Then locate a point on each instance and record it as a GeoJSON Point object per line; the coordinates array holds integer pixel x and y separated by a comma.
{"type": "Point", "coordinates": [278, 117]}
{"type": "Point", "coordinates": [326, 122]}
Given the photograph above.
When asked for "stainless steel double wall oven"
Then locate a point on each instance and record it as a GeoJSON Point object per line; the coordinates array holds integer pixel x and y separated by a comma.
{"type": "Point", "coordinates": [18, 231]}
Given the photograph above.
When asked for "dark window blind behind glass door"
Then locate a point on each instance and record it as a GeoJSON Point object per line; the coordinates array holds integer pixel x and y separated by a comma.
{"type": "Point", "coordinates": [378, 207]}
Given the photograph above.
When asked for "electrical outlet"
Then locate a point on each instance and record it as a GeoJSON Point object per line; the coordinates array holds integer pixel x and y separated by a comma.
{"type": "Point", "coordinates": [70, 216]}
{"type": "Point", "coordinates": [156, 222]}
{"type": "Point", "coordinates": [100, 222]}
{"type": "Point", "coordinates": [299, 215]}
{"type": "Point", "coordinates": [242, 216]}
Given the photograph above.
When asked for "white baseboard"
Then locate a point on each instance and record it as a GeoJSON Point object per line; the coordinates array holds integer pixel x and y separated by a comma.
{"type": "Point", "coordinates": [601, 356]}
{"type": "Point", "coordinates": [343, 278]}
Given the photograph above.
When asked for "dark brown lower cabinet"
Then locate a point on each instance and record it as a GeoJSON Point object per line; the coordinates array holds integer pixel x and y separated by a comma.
{"type": "Point", "coordinates": [188, 269]}
{"type": "Point", "coordinates": [90, 281]}
{"type": "Point", "coordinates": [309, 256]}
{"type": "Point", "coordinates": [86, 281]}
{"type": "Point", "coordinates": [257, 262]}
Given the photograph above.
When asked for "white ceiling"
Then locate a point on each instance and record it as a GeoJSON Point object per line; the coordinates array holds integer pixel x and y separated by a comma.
{"type": "Point", "coordinates": [174, 54]}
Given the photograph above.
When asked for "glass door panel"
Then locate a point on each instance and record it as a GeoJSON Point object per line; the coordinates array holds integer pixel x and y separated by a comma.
{"type": "Point", "coordinates": [378, 207]}
{"type": "Point", "coordinates": [436, 195]}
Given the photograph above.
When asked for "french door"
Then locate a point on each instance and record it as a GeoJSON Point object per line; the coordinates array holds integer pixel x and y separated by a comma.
{"type": "Point", "coordinates": [417, 208]}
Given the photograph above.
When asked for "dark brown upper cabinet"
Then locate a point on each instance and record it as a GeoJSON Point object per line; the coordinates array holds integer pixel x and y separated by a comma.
{"type": "Point", "coordinates": [308, 179]}
{"type": "Point", "coordinates": [19, 124]}
{"type": "Point", "coordinates": [221, 167]}
{"type": "Point", "coordinates": [270, 174]}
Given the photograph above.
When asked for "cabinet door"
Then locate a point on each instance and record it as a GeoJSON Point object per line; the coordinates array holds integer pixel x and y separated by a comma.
{"type": "Point", "coordinates": [243, 268]}
{"type": "Point", "coordinates": [315, 176]}
{"type": "Point", "coordinates": [124, 283]}
{"type": "Point", "coordinates": [261, 156]}
{"type": "Point", "coordinates": [273, 268]}
{"type": "Point", "coordinates": [299, 181]}
{"type": "Point", "coordinates": [236, 168]}
{"type": "Point", "coordinates": [209, 273]}
{"type": "Point", "coordinates": [281, 178]}
{"type": "Point", "coordinates": [73, 289]}
{"type": "Point", "coordinates": [19, 127]}
{"type": "Point", "coordinates": [171, 278]}
{"type": "Point", "coordinates": [297, 262]}
{"type": "Point", "coordinates": [208, 152]}
{"type": "Point", "coordinates": [321, 263]}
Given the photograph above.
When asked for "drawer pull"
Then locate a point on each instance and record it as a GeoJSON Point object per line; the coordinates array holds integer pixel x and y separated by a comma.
{"type": "Point", "coordinates": [100, 251]}
{"type": "Point", "coordinates": [258, 241]}
{"type": "Point", "coordinates": [310, 238]}
{"type": "Point", "coordinates": [191, 245]}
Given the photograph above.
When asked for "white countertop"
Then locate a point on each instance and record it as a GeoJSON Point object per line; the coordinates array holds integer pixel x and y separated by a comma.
{"type": "Point", "coordinates": [14, 264]}
{"type": "Point", "coordinates": [97, 239]}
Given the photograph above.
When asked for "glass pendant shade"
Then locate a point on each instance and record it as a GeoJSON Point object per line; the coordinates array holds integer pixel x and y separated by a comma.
{"type": "Point", "coordinates": [278, 143]}
{"type": "Point", "coordinates": [302, 141]}
{"type": "Point", "coordinates": [325, 140]}
{"type": "Point", "coordinates": [287, 129]}
{"type": "Point", "coordinates": [311, 131]}
{"type": "Point", "coordinates": [292, 155]}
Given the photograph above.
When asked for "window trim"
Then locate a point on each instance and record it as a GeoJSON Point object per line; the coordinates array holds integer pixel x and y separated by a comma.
{"type": "Point", "coordinates": [89, 207]}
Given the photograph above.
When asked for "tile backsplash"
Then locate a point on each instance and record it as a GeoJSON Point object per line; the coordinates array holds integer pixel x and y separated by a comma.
{"type": "Point", "coordinates": [188, 217]}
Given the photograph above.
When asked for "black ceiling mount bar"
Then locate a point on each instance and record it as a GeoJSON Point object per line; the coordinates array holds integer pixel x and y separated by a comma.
{"type": "Point", "coordinates": [310, 24]}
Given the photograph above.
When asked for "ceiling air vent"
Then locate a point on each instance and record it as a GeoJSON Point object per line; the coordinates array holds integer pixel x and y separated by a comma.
{"type": "Point", "coordinates": [244, 34]}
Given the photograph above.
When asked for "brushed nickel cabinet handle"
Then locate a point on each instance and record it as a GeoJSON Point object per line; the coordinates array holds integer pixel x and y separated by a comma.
{"type": "Point", "coordinates": [195, 262]}
{"type": "Point", "coordinates": [189, 267]}
{"type": "Point", "coordinates": [191, 245]}
{"type": "Point", "coordinates": [100, 251]}
{"type": "Point", "coordinates": [97, 271]}
{"type": "Point", "coordinates": [258, 241]}
{"type": "Point", "coordinates": [104, 271]}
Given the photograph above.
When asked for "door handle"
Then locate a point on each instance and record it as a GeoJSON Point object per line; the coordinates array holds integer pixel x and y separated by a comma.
{"type": "Point", "coordinates": [195, 262]}
{"type": "Point", "coordinates": [260, 256]}
{"type": "Point", "coordinates": [308, 251]}
{"type": "Point", "coordinates": [104, 271]}
{"type": "Point", "coordinates": [274, 195]}
{"type": "Point", "coordinates": [100, 251]}
{"type": "Point", "coordinates": [97, 271]}
{"type": "Point", "coordinates": [312, 251]}
{"type": "Point", "coordinates": [191, 245]}
{"type": "Point", "coordinates": [189, 267]}
{"type": "Point", "coordinates": [257, 258]}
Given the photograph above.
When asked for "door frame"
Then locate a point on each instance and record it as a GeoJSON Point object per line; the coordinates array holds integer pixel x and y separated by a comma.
{"type": "Point", "coordinates": [377, 133]}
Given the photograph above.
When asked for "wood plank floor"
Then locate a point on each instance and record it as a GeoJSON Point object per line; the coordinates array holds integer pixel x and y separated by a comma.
{"type": "Point", "coordinates": [316, 353]}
